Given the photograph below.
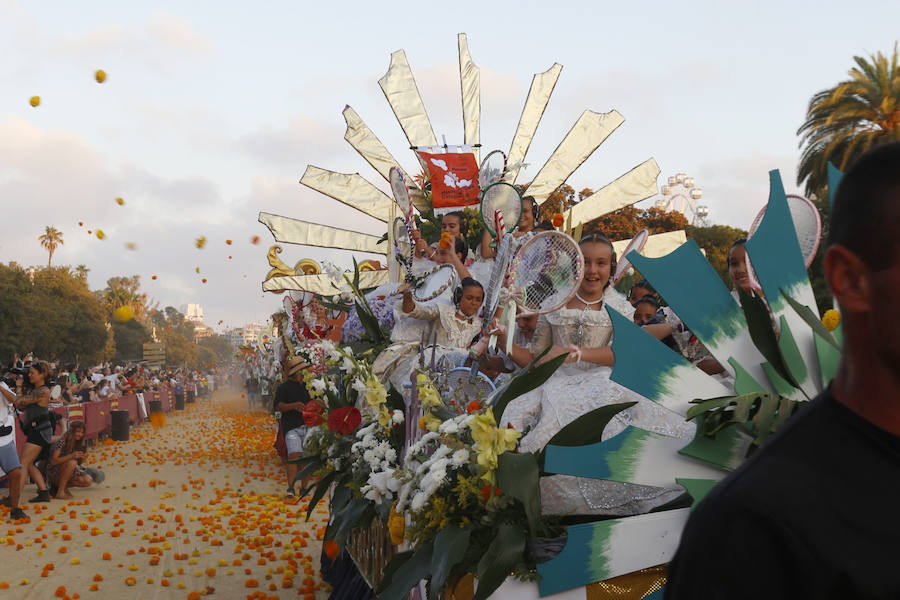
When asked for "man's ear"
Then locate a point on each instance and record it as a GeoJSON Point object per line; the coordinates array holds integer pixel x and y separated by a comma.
{"type": "Point", "coordinates": [849, 279]}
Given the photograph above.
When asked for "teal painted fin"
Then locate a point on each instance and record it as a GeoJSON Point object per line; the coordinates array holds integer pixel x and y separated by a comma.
{"type": "Point", "coordinates": [600, 550]}
{"type": "Point", "coordinates": [778, 262]}
{"type": "Point", "coordinates": [834, 180]}
{"type": "Point", "coordinates": [829, 359]}
{"type": "Point", "coordinates": [646, 366]}
{"type": "Point", "coordinates": [687, 282]}
{"type": "Point", "coordinates": [632, 456]}
{"type": "Point", "coordinates": [697, 488]}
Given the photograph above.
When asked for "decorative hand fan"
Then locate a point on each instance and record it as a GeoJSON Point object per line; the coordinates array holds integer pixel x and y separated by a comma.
{"type": "Point", "coordinates": [637, 244]}
{"type": "Point", "coordinates": [807, 224]}
{"type": "Point", "coordinates": [505, 198]}
{"type": "Point", "coordinates": [492, 169]}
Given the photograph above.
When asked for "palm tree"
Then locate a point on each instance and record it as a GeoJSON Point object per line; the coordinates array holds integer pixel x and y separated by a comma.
{"type": "Point", "coordinates": [845, 121]}
{"type": "Point", "coordinates": [82, 272]}
{"type": "Point", "coordinates": [50, 241]}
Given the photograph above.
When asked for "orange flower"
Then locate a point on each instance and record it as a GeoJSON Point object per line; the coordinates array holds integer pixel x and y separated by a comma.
{"type": "Point", "coordinates": [228, 242]}
{"type": "Point", "coordinates": [94, 587]}
{"type": "Point", "coordinates": [107, 556]}
{"type": "Point", "coordinates": [254, 239]}
{"type": "Point", "coordinates": [60, 591]}
{"type": "Point", "coordinates": [251, 583]}
{"type": "Point", "coordinates": [472, 407]}
{"type": "Point", "coordinates": [210, 572]}
{"type": "Point", "coordinates": [558, 220]}
{"type": "Point", "coordinates": [130, 581]}
{"type": "Point", "coordinates": [98, 577]}
{"type": "Point", "coordinates": [332, 549]}
{"type": "Point", "coordinates": [445, 240]}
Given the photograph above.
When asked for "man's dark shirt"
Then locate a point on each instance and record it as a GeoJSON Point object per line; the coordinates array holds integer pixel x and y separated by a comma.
{"type": "Point", "coordinates": [288, 393]}
{"type": "Point", "coordinates": [815, 513]}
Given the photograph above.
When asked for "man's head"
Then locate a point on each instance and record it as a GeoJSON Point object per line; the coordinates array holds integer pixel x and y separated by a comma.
{"type": "Point", "coordinates": [862, 264]}
{"type": "Point", "coordinates": [527, 323]}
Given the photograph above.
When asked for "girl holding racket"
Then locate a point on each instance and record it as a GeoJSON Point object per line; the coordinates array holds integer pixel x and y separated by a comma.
{"type": "Point", "coordinates": [583, 329]}
{"type": "Point", "coordinates": [455, 325]}
{"type": "Point", "coordinates": [526, 224]}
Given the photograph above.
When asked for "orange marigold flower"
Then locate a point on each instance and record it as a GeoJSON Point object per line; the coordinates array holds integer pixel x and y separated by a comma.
{"type": "Point", "coordinates": [558, 220]}
{"type": "Point", "coordinates": [332, 549]}
{"type": "Point", "coordinates": [472, 407]}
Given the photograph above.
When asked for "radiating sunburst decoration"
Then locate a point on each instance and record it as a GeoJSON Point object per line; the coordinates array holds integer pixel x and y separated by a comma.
{"type": "Point", "coordinates": [590, 130]}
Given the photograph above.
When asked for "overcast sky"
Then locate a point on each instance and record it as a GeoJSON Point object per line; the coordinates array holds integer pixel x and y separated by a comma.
{"type": "Point", "coordinates": [212, 110]}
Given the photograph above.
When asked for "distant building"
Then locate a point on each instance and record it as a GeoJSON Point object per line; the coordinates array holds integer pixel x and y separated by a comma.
{"type": "Point", "coordinates": [192, 312]}
{"type": "Point", "coordinates": [244, 336]}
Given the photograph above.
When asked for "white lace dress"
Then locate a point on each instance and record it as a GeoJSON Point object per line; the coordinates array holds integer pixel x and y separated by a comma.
{"type": "Point", "coordinates": [451, 335]}
{"type": "Point", "coordinates": [578, 388]}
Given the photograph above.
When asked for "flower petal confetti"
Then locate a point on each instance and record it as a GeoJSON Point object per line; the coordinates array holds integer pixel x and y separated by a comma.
{"type": "Point", "coordinates": [100, 75]}
{"type": "Point", "coordinates": [35, 101]}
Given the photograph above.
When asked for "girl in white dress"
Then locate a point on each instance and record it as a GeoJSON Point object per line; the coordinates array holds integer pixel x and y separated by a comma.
{"type": "Point", "coordinates": [583, 329]}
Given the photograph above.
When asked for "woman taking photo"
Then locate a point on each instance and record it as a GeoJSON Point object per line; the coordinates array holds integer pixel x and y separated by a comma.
{"type": "Point", "coordinates": [65, 462]}
{"type": "Point", "coordinates": [37, 425]}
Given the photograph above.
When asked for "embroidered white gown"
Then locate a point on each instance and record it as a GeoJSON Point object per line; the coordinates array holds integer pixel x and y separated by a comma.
{"type": "Point", "coordinates": [578, 388]}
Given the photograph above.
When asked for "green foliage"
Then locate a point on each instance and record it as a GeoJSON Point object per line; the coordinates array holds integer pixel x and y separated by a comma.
{"type": "Point", "coordinates": [715, 241]}
{"type": "Point", "coordinates": [50, 312]}
{"type": "Point", "coordinates": [844, 121]}
{"type": "Point", "coordinates": [502, 556]}
{"type": "Point", "coordinates": [758, 413]}
{"type": "Point", "coordinates": [129, 339]}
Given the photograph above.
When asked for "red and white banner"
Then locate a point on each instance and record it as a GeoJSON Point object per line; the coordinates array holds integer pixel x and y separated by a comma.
{"type": "Point", "coordinates": [454, 180]}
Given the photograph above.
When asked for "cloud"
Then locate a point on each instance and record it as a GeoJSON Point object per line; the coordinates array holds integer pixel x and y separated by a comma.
{"type": "Point", "coordinates": [173, 34]}
{"type": "Point", "coordinates": [302, 140]}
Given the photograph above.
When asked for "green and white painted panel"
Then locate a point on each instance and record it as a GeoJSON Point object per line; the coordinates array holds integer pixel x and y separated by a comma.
{"type": "Point", "coordinates": [687, 282]}
{"type": "Point", "coordinates": [647, 366]}
{"type": "Point", "coordinates": [778, 262]}
{"type": "Point", "coordinates": [600, 550]}
{"type": "Point", "coordinates": [633, 456]}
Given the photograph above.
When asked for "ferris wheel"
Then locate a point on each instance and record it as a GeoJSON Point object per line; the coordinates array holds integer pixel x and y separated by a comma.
{"type": "Point", "coordinates": [681, 194]}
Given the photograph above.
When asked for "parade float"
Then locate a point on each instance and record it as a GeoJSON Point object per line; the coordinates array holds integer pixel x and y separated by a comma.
{"type": "Point", "coordinates": [430, 492]}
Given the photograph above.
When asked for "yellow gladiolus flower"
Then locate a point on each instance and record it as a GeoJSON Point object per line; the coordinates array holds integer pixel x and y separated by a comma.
{"type": "Point", "coordinates": [376, 395]}
{"type": "Point", "coordinates": [491, 441]}
{"type": "Point", "coordinates": [831, 319]}
{"type": "Point", "coordinates": [428, 396]}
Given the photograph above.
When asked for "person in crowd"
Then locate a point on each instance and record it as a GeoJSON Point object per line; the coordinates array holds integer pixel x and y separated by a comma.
{"type": "Point", "coordinates": [66, 456]}
{"type": "Point", "coordinates": [814, 509]}
{"type": "Point", "coordinates": [639, 290]}
{"type": "Point", "coordinates": [583, 330]}
{"type": "Point", "coordinates": [526, 224]}
{"type": "Point", "coordinates": [453, 224]}
{"type": "Point", "coordinates": [290, 398]}
{"type": "Point", "coordinates": [105, 391]}
{"type": "Point", "coordinates": [38, 425]}
{"type": "Point", "coordinates": [737, 265]}
{"type": "Point", "coordinates": [456, 325]}
{"type": "Point", "coordinates": [9, 458]}
{"type": "Point", "coordinates": [454, 256]}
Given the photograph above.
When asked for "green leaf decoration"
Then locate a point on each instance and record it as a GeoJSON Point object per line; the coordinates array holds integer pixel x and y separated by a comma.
{"type": "Point", "coordinates": [762, 333]}
{"type": "Point", "coordinates": [340, 498]}
{"type": "Point", "coordinates": [744, 382]}
{"type": "Point", "coordinates": [369, 323]}
{"type": "Point", "coordinates": [531, 377]}
{"type": "Point", "coordinates": [760, 413]}
{"type": "Point", "coordinates": [504, 553]}
{"type": "Point", "coordinates": [829, 359]}
{"type": "Point", "coordinates": [790, 353]}
{"type": "Point", "coordinates": [355, 274]}
{"type": "Point", "coordinates": [812, 319]}
{"type": "Point", "coordinates": [588, 428]}
{"type": "Point", "coordinates": [321, 488]}
{"type": "Point", "coordinates": [346, 519]}
{"type": "Point", "coordinates": [450, 545]}
{"type": "Point", "coordinates": [408, 575]}
{"type": "Point", "coordinates": [782, 386]}
{"type": "Point", "coordinates": [397, 561]}
{"type": "Point", "coordinates": [518, 476]}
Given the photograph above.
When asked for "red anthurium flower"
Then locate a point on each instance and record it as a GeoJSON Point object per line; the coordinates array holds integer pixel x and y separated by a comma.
{"type": "Point", "coordinates": [344, 420]}
{"type": "Point", "coordinates": [312, 414]}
